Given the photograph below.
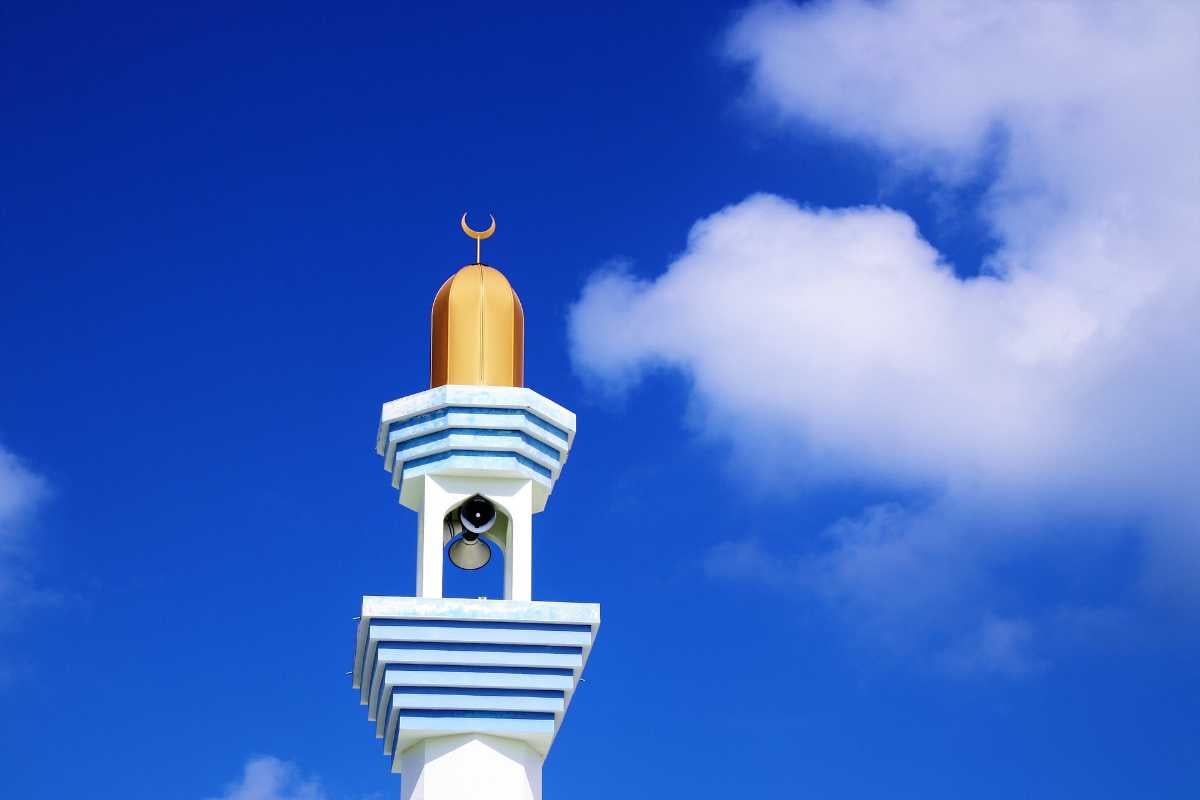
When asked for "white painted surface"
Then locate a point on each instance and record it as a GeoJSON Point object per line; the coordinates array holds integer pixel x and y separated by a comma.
{"type": "Point", "coordinates": [518, 550]}
{"type": "Point", "coordinates": [471, 767]}
{"type": "Point", "coordinates": [430, 534]}
{"type": "Point", "coordinates": [451, 608]}
{"type": "Point", "coordinates": [483, 396]}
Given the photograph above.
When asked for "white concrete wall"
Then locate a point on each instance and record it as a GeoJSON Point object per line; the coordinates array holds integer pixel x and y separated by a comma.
{"type": "Point", "coordinates": [470, 767]}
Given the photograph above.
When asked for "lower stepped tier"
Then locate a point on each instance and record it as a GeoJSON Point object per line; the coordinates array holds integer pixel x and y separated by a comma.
{"type": "Point", "coordinates": [429, 667]}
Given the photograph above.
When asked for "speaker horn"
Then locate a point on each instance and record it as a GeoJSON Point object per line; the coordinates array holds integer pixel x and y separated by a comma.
{"type": "Point", "coordinates": [477, 514]}
{"type": "Point", "coordinates": [469, 551]}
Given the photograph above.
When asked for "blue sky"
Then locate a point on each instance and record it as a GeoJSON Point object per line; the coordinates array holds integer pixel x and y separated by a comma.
{"type": "Point", "coordinates": [878, 320]}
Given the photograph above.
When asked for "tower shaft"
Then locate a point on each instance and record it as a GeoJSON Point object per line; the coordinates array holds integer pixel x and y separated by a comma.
{"type": "Point", "coordinates": [472, 767]}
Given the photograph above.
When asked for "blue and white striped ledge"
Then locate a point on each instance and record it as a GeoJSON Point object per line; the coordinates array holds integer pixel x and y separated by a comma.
{"type": "Point", "coordinates": [499, 431]}
{"type": "Point", "coordinates": [429, 667]}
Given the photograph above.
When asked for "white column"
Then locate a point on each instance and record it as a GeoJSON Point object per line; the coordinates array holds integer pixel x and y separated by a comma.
{"type": "Point", "coordinates": [435, 502]}
{"type": "Point", "coordinates": [518, 555]}
{"type": "Point", "coordinates": [470, 767]}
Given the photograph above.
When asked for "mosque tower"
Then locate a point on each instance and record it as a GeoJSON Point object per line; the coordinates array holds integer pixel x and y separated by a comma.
{"type": "Point", "coordinates": [467, 695]}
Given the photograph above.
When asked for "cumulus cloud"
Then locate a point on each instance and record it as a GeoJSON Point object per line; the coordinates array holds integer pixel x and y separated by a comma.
{"type": "Point", "coordinates": [20, 492]}
{"type": "Point", "coordinates": [269, 778]}
{"type": "Point", "coordinates": [1058, 381]}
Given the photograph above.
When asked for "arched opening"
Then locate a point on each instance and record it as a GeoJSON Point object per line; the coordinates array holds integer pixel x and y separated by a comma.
{"type": "Point", "coordinates": [489, 546]}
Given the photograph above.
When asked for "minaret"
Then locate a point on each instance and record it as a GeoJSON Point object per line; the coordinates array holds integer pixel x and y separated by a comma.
{"type": "Point", "coordinates": [468, 695]}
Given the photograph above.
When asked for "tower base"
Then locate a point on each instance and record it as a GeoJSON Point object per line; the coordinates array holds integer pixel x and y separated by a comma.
{"type": "Point", "coordinates": [471, 767]}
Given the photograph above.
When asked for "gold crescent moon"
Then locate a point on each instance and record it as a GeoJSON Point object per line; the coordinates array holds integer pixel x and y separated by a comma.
{"type": "Point", "coordinates": [478, 235]}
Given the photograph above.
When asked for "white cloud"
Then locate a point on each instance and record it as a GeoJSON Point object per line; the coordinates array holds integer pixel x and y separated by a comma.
{"type": "Point", "coordinates": [997, 645]}
{"type": "Point", "coordinates": [1060, 384]}
{"type": "Point", "coordinates": [269, 778]}
{"type": "Point", "coordinates": [20, 492]}
{"type": "Point", "coordinates": [20, 489]}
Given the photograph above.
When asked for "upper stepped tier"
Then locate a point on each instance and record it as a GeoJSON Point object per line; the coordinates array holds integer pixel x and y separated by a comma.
{"type": "Point", "coordinates": [443, 666]}
{"type": "Point", "coordinates": [482, 431]}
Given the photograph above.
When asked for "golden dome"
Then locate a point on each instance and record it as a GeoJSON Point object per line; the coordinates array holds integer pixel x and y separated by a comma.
{"type": "Point", "coordinates": [477, 331]}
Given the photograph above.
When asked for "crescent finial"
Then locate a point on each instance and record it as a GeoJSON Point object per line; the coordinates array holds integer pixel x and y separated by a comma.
{"type": "Point", "coordinates": [478, 236]}
{"type": "Point", "coordinates": [474, 234]}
